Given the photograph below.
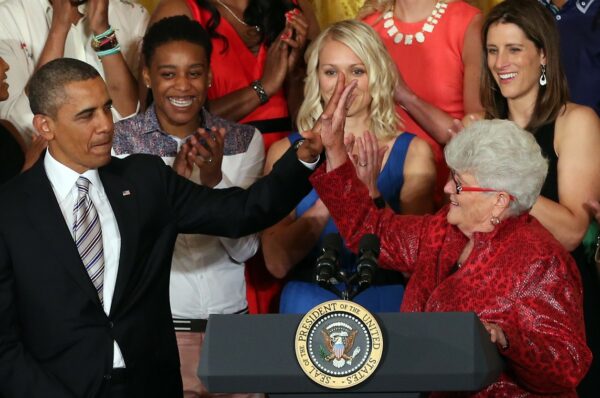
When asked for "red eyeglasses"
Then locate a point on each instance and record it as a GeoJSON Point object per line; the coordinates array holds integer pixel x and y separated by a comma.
{"type": "Point", "coordinates": [461, 188]}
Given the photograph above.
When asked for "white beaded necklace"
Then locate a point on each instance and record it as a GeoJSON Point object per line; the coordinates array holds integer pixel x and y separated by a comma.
{"type": "Point", "coordinates": [236, 17]}
{"type": "Point", "coordinates": [428, 25]}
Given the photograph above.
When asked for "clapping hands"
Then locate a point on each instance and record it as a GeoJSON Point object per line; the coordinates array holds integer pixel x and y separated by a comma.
{"type": "Point", "coordinates": [294, 35]}
{"type": "Point", "coordinates": [205, 150]}
{"type": "Point", "coordinates": [284, 53]}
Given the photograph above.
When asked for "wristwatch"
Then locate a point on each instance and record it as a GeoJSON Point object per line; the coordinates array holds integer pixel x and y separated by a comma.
{"type": "Point", "coordinates": [257, 86]}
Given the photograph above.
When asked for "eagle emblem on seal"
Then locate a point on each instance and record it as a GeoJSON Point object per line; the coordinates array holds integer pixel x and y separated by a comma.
{"type": "Point", "coordinates": [339, 340]}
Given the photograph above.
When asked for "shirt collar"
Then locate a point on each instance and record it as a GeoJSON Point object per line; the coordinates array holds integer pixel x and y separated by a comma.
{"type": "Point", "coordinates": [63, 178]}
{"type": "Point", "coordinates": [550, 6]}
{"type": "Point", "coordinates": [150, 121]}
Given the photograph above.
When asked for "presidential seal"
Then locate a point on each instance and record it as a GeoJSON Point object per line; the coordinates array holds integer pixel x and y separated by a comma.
{"type": "Point", "coordinates": [338, 344]}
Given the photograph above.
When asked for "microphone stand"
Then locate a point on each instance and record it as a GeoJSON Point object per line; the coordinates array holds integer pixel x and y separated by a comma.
{"type": "Point", "coordinates": [351, 289]}
{"type": "Point", "coordinates": [369, 247]}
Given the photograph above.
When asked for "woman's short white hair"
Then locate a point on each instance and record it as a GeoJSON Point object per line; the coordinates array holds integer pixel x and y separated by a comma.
{"type": "Point", "coordinates": [501, 156]}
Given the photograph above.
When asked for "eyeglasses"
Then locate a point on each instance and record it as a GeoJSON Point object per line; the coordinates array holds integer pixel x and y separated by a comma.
{"type": "Point", "coordinates": [461, 188]}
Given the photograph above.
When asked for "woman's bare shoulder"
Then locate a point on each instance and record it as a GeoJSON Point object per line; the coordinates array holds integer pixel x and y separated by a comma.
{"type": "Point", "coordinates": [577, 119]}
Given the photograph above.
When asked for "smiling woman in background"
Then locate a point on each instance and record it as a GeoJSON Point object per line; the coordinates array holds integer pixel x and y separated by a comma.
{"type": "Point", "coordinates": [207, 272]}
{"type": "Point", "coordinates": [257, 79]}
{"type": "Point", "coordinates": [524, 82]}
{"type": "Point", "coordinates": [257, 45]}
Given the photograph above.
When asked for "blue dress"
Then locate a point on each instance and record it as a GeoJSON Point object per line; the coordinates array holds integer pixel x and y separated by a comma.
{"type": "Point", "coordinates": [300, 294]}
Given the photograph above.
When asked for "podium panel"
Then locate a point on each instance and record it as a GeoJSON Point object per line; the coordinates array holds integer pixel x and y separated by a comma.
{"type": "Point", "coordinates": [423, 352]}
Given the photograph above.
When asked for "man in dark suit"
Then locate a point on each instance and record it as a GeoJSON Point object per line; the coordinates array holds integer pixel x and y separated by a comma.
{"type": "Point", "coordinates": [86, 242]}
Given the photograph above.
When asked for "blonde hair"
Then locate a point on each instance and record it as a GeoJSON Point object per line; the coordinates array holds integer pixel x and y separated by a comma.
{"type": "Point", "coordinates": [373, 6]}
{"type": "Point", "coordinates": [381, 71]}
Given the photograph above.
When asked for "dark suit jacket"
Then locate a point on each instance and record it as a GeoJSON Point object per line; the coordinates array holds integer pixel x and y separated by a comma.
{"type": "Point", "coordinates": [55, 339]}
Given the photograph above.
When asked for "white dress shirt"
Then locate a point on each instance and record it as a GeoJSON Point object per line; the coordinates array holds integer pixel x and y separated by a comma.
{"type": "Point", "coordinates": [63, 181]}
{"type": "Point", "coordinates": [207, 272]}
{"type": "Point", "coordinates": [23, 33]}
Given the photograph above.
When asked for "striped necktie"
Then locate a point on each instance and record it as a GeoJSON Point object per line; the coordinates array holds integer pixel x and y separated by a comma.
{"type": "Point", "coordinates": [88, 235]}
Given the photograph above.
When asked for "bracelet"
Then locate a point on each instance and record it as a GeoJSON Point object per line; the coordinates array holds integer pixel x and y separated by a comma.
{"type": "Point", "coordinates": [110, 51]}
{"type": "Point", "coordinates": [104, 34]}
{"type": "Point", "coordinates": [105, 43]}
{"type": "Point", "coordinates": [263, 97]}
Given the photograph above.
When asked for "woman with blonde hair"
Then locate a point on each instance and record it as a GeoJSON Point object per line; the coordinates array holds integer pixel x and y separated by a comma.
{"type": "Point", "coordinates": [401, 176]}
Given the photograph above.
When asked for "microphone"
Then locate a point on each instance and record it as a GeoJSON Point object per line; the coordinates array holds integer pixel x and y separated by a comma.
{"type": "Point", "coordinates": [368, 252]}
{"type": "Point", "coordinates": [327, 263]}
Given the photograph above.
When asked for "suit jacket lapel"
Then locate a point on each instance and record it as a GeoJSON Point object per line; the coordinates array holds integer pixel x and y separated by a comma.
{"type": "Point", "coordinates": [123, 201]}
{"type": "Point", "coordinates": [47, 218]}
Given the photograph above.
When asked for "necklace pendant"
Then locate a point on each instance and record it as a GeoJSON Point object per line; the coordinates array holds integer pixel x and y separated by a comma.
{"type": "Point", "coordinates": [428, 26]}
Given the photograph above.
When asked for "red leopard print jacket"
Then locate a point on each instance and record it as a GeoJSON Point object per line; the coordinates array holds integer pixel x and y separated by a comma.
{"type": "Point", "coordinates": [518, 277]}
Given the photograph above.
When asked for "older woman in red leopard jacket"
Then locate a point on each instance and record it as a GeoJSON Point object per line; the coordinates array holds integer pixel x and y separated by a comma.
{"type": "Point", "coordinates": [483, 252]}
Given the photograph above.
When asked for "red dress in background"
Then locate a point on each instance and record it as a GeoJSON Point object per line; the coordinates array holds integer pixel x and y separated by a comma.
{"type": "Point", "coordinates": [434, 69]}
{"type": "Point", "coordinates": [234, 67]}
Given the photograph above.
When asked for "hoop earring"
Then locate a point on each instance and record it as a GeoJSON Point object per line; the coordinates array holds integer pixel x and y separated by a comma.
{"type": "Point", "coordinates": [494, 220]}
{"type": "Point", "coordinates": [543, 80]}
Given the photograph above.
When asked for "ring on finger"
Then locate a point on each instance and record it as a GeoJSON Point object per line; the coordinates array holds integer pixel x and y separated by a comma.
{"type": "Point", "coordinates": [362, 164]}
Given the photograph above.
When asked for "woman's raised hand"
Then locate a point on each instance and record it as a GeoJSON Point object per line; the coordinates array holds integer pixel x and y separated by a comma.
{"type": "Point", "coordinates": [332, 122]}
{"type": "Point", "coordinates": [294, 35]}
{"type": "Point", "coordinates": [276, 66]}
{"type": "Point", "coordinates": [333, 119]}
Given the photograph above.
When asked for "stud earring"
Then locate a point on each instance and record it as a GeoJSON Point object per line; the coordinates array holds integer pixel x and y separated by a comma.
{"type": "Point", "coordinates": [543, 80]}
{"type": "Point", "coordinates": [494, 220]}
